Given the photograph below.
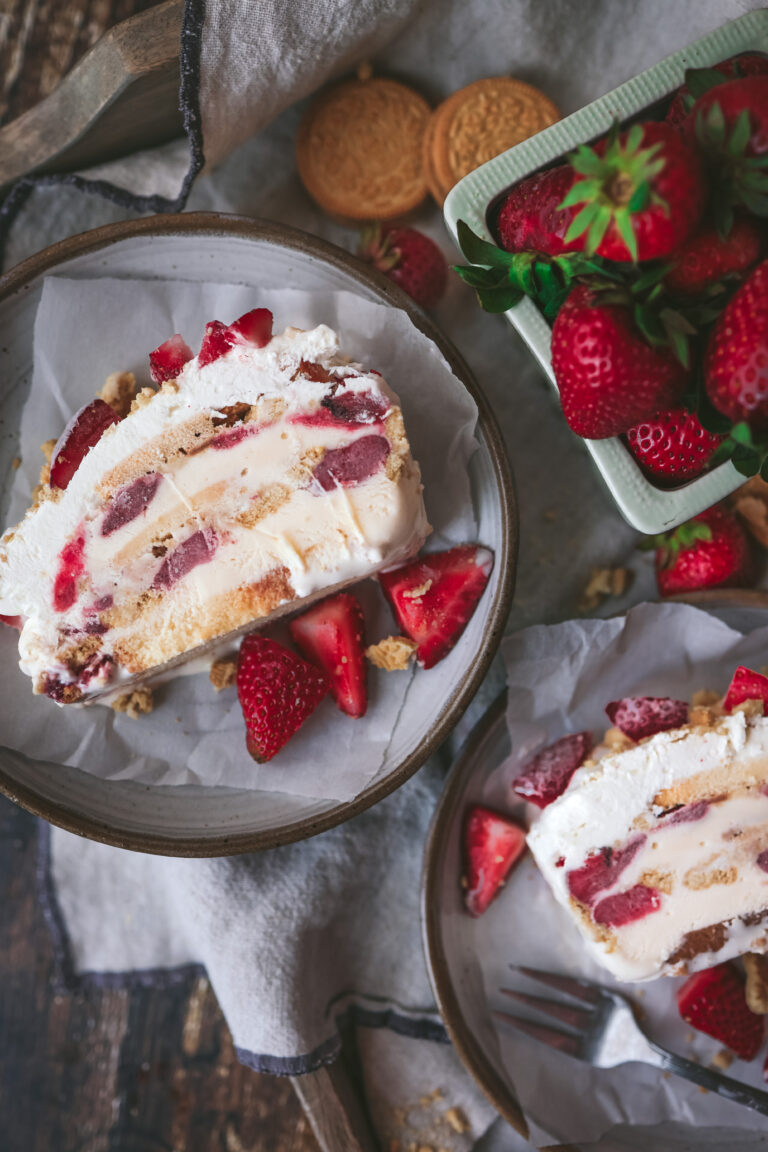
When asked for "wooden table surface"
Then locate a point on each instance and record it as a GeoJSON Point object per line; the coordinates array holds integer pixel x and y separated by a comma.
{"type": "Point", "coordinates": [105, 1070]}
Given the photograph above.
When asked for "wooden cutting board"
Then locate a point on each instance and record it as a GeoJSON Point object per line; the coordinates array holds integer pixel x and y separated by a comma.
{"type": "Point", "coordinates": [121, 96]}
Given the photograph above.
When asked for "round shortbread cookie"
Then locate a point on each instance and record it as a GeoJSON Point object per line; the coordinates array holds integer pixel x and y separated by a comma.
{"type": "Point", "coordinates": [359, 149]}
{"type": "Point", "coordinates": [477, 123]}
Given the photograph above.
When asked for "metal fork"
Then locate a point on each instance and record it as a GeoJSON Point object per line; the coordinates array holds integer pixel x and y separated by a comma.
{"type": "Point", "coordinates": [598, 1026]}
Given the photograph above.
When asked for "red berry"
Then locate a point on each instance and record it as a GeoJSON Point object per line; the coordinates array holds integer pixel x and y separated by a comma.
{"type": "Point", "coordinates": [84, 430]}
{"type": "Point", "coordinates": [707, 257]}
{"type": "Point", "coordinates": [254, 328]}
{"type": "Point", "coordinates": [410, 259]}
{"type": "Point", "coordinates": [641, 716]}
{"type": "Point", "coordinates": [434, 597]}
{"type": "Point", "coordinates": [330, 634]}
{"type": "Point", "coordinates": [745, 64]}
{"type": "Point", "coordinates": [673, 446]}
{"type": "Point", "coordinates": [278, 691]}
{"type": "Point", "coordinates": [710, 551]}
{"type": "Point", "coordinates": [736, 359]}
{"type": "Point", "coordinates": [713, 1001]}
{"type": "Point", "coordinates": [746, 685]}
{"type": "Point", "coordinates": [531, 219]}
{"type": "Point", "coordinates": [493, 844]}
{"type": "Point", "coordinates": [549, 773]}
{"type": "Point", "coordinates": [609, 377]}
{"type": "Point", "coordinates": [167, 361]}
{"type": "Point", "coordinates": [601, 870]}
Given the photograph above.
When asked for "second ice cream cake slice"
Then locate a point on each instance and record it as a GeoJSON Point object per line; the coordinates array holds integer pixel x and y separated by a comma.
{"type": "Point", "coordinates": [263, 472]}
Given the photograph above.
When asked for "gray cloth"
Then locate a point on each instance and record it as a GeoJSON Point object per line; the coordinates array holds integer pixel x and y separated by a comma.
{"type": "Point", "coordinates": [292, 937]}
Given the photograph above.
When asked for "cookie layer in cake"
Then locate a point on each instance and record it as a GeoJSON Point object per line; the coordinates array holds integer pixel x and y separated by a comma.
{"type": "Point", "coordinates": [660, 852]}
{"type": "Point", "coordinates": [238, 491]}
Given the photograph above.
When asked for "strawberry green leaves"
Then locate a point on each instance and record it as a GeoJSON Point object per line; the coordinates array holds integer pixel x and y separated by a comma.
{"type": "Point", "coordinates": [501, 279]}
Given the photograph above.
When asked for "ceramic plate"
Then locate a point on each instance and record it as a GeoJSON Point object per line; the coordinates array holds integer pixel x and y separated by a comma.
{"type": "Point", "coordinates": [195, 821]}
{"type": "Point", "coordinates": [450, 934]}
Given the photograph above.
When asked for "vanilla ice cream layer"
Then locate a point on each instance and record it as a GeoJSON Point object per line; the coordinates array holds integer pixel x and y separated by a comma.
{"type": "Point", "coordinates": [247, 510]}
{"type": "Point", "coordinates": [685, 813]}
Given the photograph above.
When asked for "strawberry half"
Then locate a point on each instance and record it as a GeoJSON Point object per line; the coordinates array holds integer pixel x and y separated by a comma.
{"type": "Point", "coordinates": [84, 430]}
{"type": "Point", "coordinates": [254, 327]}
{"type": "Point", "coordinates": [433, 598]}
{"type": "Point", "coordinates": [710, 551]}
{"type": "Point", "coordinates": [278, 691]}
{"type": "Point", "coordinates": [713, 1001]}
{"type": "Point", "coordinates": [672, 446]}
{"type": "Point", "coordinates": [549, 773]}
{"type": "Point", "coordinates": [167, 361]}
{"type": "Point", "coordinates": [641, 716]}
{"type": "Point", "coordinates": [745, 685]}
{"type": "Point", "coordinates": [330, 634]}
{"type": "Point", "coordinates": [492, 846]}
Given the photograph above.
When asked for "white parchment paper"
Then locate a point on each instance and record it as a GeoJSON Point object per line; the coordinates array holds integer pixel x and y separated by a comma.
{"type": "Point", "coordinates": [85, 330]}
{"type": "Point", "coordinates": [560, 678]}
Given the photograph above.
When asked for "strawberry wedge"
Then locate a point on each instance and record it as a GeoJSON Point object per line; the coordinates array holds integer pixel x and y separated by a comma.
{"type": "Point", "coordinates": [433, 598]}
{"type": "Point", "coordinates": [641, 716]}
{"type": "Point", "coordinates": [493, 844]}
{"type": "Point", "coordinates": [330, 635]}
{"type": "Point", "coordinates": [254, 327]}
{"type": "Point", "coordinates": [167, 361]}
{"type": "Point", "coordinates": [549, 773]}
{"type": "Point", "coordinates": [278, 692]}
{"type": "Point", "coordinates": [745, 685]}
{"type": "Point", "coordinates": [84, 430]}
{"type": "Point", "coordinates": [713, 1001]}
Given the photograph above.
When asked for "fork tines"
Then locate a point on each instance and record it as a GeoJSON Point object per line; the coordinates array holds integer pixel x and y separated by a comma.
{"type": "Point", "coordinates": [574, 1020]}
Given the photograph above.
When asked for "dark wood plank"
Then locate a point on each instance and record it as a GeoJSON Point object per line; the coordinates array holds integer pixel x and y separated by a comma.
{"type": "Point", "coordinates": [110, 1070]}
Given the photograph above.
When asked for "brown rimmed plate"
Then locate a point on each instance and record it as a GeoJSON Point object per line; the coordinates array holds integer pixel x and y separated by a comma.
{"type": "Point", "coordinates": [195, 821]}
{"type": "Point", "coordinates": [450, 937]}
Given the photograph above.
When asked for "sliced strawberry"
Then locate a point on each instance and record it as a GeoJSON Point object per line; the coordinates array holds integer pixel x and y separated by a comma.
{"type": "Point", "coordinates": [254, 327]}
{"type": "Point", "coordinates": [278, 691]}
{"type": "Point", "coordinates": [713, 1001]}
{"type": "Point", "coordinates": [84, 430]}
{"type": "Point", "coordinates": [548, 774]}
{"type": "Point", "coordinates": [641, 716]}
{"type": "Point", "coordinates": [12, 621]}
{"type": "Point", "coordinates": [330, 634]}
{"type": "Point", "coordinates": [601, 870]}
{"type": "Point", "coordinates": [625, 907]}
{"type": "Point", "coordinates": [746, 685]}
{"type": "Point", "coordinates": [492, 845]}
{"type": "Point", "coordinates": [167, 361]}
{"type": "Point", "coordinates": [433, 597]}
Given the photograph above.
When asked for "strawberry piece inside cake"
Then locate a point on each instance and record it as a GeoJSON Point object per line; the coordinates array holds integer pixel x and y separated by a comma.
{"type": "Point", "coordinates": [262, 473]}
{"type": "Point", "coordinates": [658, 847]}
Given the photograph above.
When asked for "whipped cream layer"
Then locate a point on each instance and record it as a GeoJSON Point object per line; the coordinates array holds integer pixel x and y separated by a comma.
{"type": "Point", "coordinates": [237, 492]}
{"type": "Point", "coordinates": [660, 852]}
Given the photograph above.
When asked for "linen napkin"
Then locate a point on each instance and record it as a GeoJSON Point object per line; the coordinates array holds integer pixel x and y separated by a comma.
{"type": "Point", "coordinates": [300, 939]}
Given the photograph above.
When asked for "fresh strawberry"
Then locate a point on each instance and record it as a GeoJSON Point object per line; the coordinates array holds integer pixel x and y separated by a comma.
{"type": "Point", "coordinates": [625, 907]}
{"type": "Point", "coordinates": [609, 377]}
{"type": "Point", "coordinates": [434, 597]}
{"type": "Point", "coordinates": [167, 361]}
{"type": "Point", "coordinates": [745, 64]}
{"type": "Point", "coordinates": [710, 551]}
{"type": "Point", "coordinates": [746, 685]}
{"type": "Point", "coordinates": [254, 327]}
{"type": "Point", "coordinates": [673, 446]}
{"type": "Point", "coordinates": [736, 358]}
{"type": "Point", "coordinates": [531, 219]}
{"type": "Point", "coordinates": [642, 193]}
{"type": "Point", "coordinates": [713, 1001]}
{"type": "Point", "coordinates": [330, 634]}
{"type": "Point", "coordinates": [84, 430]}
{"type": "Point", "coordinates": [549, 773]}
{"type": "Point", "coordinates": [492, 845]}
{"type": "Point", "coordinates": [409, 258]}
{"type": "Point", "coordinates": [278, 691]}
{"type": "Point", "coordinates": [730, 126]}
{"type": "Point", "coordinates": [641, 716]}
{"type": "Point", "coordinates": [12, 621]}
{"type": "Point", "coordinates": [707, 257]}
